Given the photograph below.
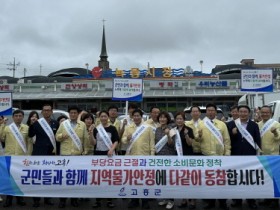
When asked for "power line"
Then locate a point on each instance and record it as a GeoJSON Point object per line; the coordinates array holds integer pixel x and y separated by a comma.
{"type": "Point", "coordinates": [13, 66]}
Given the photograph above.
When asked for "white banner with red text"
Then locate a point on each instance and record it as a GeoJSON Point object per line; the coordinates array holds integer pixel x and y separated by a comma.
{"type": "Point", "coordinates": [141, 176]}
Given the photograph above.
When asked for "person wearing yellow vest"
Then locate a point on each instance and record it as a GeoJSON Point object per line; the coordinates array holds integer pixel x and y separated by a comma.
{"type": "Point", "coordinates": [270, 141]}
{"type": "Point", "coordinates": [214, 139]}
{"type": "Point", "coordinates": [16, 141]}
{"type": "Point", "coordinates": [73, 136]}
{"type": "Point", "coordinates": [140, 139]}
{"type": "Point", "coordinates": [153, 121]}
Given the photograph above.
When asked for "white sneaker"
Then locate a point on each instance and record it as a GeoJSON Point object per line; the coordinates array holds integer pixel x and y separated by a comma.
{"type": "Point", "coordinates": [163, 202]}
{"type": "Point", "coordinates": [170, 205]}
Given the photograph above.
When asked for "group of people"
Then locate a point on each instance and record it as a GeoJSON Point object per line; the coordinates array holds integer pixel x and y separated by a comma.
{"type": "Point", "coordinates": [82, 134]}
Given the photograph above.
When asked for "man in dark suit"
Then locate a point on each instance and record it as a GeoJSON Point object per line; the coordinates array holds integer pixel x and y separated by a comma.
{"type": "Point", "coordinates": [45, 144]}
{"type": "Point", "coordinates": [242, 146]}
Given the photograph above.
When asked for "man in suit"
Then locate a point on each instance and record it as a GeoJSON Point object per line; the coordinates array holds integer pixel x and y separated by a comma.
{"type": "Point", "coordinates": [44, 129]}
{"type": "Point", "coordinates": [244, 146]}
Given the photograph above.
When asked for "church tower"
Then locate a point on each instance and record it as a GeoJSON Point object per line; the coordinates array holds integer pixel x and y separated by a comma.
{"type": "Point", "coordinates": [103, 62]}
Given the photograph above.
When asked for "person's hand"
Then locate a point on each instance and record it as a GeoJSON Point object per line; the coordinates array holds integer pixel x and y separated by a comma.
{"type": "Point", "coordinates": [199, 133]}
{"type": "Point", "coordinates": [125, 122]}
{"type": "Point", "coordinates": [166, 131]}
{"type": "Point", "coordinates": [129, 137]}
{"type": "Point", "coordinates": [273, 130]}
{"type": "Point", "coordinates": [110, 152]}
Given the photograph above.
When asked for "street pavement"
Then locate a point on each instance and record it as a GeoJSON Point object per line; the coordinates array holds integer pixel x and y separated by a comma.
{"type": "Point", "coordinates": [120, 204]}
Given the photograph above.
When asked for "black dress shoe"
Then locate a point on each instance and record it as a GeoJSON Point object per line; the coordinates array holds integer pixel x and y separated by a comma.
{"type": "Point", "coordinates": [21, 202]}
{"type": "Point", "coordinates": [36, 204]}
{"type": "Point", "coordinates": [224, 207]}
{"type": "Point", "coordinates": [133, 204]}
{"type": "Point", "coordinates": [146, 206]}
{"type": "Point", "coordinates": [192, 206]}
{"type": "Point", "coordinates": [96, 205]}
{"type": "Point", "coordinates": [61, 205]}
{"type": "Point", "coordinates": [209, 206]}
{"type": "Point", "coordinates": [74, 203]}
{"type": "Point", "coordinates": [183, 205]}
{"type": "Point", "coordinates": [7, 203]}
{"type": "Point", "coordinates": [236, 204]}
{"type": "Point", "coordinates": [253, 206]}
{"type": "Point", "coordinates": [110, 204]}
{"type": "Point", "coordinates": [48, 202]}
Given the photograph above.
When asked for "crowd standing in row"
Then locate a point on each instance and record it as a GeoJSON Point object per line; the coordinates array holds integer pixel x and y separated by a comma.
{"type": "Point", "coordinates": [80, 135]}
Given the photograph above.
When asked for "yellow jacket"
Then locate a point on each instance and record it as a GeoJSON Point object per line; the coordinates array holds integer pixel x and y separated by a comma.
{"type": "Point", "coordinates": [144, 145]}
{"type": "Point", "coordinates": [12, 146]}
{"type": "Point", "coordinates": [196, 144]}
{"type": "Point", "coordinates": [209, 144]}
{"type": "Point", "coordinates": [67, 146]}
{"type": "Point", "coordinates": [270, 143]}
{"type": "Point", "coordinates": [151, 123]}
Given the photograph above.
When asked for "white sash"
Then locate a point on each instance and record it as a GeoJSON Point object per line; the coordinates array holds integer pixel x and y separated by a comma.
{"type": "Point", "coordinates": [18, 136]}
{"type": "Point", "coordinates": [72, 134]}
{"type": "Point", "coordinates": [104, 136]}
{"type": "Point", "coordinates": [210, 126]}
{"type": "Point", "coordinates": [245, 134]}
{"type": "Point", "coordinates": [47, 128]}
{"type": "Point", "coordinates": [161, 143]}
{"type": "Point", "coordinates": [178, 143]}
{"type": "Point", "coordinates": [267, 126]}
{"type": "Point", "coordinates": [135, 136]}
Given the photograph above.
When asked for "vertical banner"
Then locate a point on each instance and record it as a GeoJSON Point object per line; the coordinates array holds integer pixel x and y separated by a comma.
{"type": "Point", "coordinates": [257, 80]}
{"type": "Point", "coordinates": [127, 89]}
{"type": "Point", "coordinates": [6, 103]}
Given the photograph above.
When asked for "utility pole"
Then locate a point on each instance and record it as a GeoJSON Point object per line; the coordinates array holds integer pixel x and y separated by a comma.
{"type": "Point", "coordinates": [24, 72]}
{"type": "Point", "coordinates": [41, 69]}
{"type": "Point", "coordinates": [13, 66]}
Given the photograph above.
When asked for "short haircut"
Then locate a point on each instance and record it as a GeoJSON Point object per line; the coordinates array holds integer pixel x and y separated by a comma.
{"type": "Point", "coordinates": [166, 115]}
{"type": "Point", "coordinates": [211, 105]}
{"type": "Point", "coordinates": [74, 108]}
{"type": "Point", "coordinates": [195, 107]}
{"type": "Point", "coordinates": [244, 106]}
{"type": "Point", "coordinates": [86, 116]}
{"type": "Point", "coordinates": [47, 105]}
{"type": "Point", "coordinates": [154, 107]}
{"type": "Point", "coordinates": [137, 111]}
{"type": "Point", "coordinates": [265, 106]}
{"type": "Point", "coordinates": [132, 106]}
{"type": "Point", "coordinates": [182, 114]}
{"type": "Point", "coordinates": [18, 111]}
{"type": "Point", "coordinates": [103, 111]}
{"type": "Point", "coordinates": [233, 107]}
{"type": "Point", "coordinates": [113, 107]}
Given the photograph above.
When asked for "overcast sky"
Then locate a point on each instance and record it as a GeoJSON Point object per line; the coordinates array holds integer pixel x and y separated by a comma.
{"type": "Point", "coordinates": [61, 34]}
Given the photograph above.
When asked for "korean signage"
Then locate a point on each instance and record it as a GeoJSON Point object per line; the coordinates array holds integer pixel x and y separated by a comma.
{"type": "Point", "coordinates": [6, 103]}
{"type": "Point", "coordinates": [141, 176]}
{"type": "Point", "coordinates": [127, 89]}
{"type": "Point", "coordinates": [166, 85]}
{"type": "Point", "coordinates": [6, 87]}
{"type": "Point", "coordinates": [76, 86]}
{"type": "Point", "coordinates": [257, 80]}
{"type": "Point", "coordinates": [212, 84]}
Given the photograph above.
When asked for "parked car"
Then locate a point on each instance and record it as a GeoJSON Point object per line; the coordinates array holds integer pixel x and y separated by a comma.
{"type": "Point", "coordinates": [187, 111]}
{"type": "Point", "coordinates": [55, 115]}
